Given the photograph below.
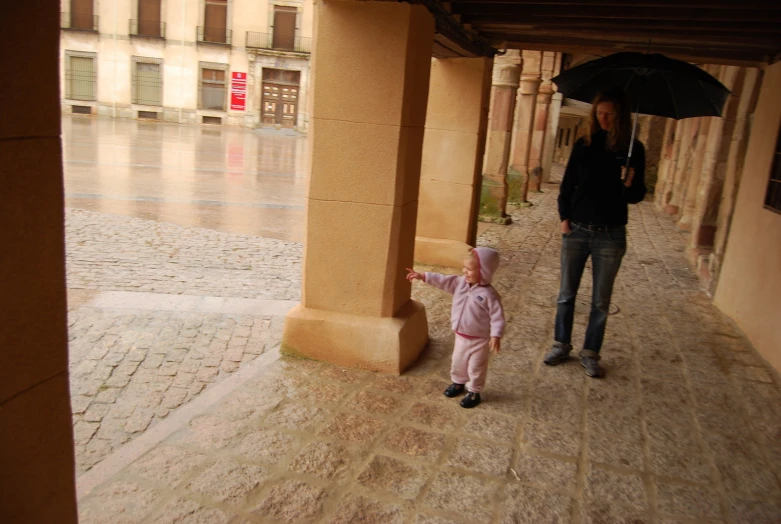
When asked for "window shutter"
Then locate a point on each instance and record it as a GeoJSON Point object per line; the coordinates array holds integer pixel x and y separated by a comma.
{"type": "Point", "coordinates": [215, 21]}
{"type": "Point", "coordinates": [149, 17]}
{"type": "Point", "coordinates": [82, 14]}
{"type": "Point", "coordinates": [284, 27]}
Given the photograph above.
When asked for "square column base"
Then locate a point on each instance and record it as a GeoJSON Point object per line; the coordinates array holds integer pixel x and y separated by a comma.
{"type": "Point", "coordinates": [384, 344]}
{"type": "Point", "coordinates": [440, 252]}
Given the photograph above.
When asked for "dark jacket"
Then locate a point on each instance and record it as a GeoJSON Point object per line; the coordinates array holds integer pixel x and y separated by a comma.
{"type": "Point", "coordinates": [592, 191]}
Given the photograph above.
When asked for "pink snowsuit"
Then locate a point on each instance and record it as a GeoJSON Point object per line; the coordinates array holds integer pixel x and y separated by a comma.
{"type": "Point", "coordinates": [476, 316]}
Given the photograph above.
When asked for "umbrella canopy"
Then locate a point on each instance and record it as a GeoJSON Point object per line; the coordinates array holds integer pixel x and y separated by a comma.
{"type": "Point", "coordinates": [655, 84]}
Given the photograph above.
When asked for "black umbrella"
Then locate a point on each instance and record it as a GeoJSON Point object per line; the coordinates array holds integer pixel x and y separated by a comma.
{"type": "Point", "coordinates": [655, 85]}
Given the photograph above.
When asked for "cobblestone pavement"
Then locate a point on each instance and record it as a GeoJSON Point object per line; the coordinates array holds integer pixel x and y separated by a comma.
{"type": "Point", "coordinates": [685, 428]}
{"type": "Point", "coordinates": [129, 367]}
{"type": "Point", "coordinates": [110, 252]}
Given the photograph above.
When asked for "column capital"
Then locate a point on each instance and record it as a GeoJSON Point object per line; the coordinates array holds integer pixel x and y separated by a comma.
{"type": "Point", "coordinates": [544, 98]}
{"type": "Point", "coordinates": [546, 88]}
{"type": "Point", "coordinates": [508, 75]}
{"type": "Point", "coordinates": [530, 85]}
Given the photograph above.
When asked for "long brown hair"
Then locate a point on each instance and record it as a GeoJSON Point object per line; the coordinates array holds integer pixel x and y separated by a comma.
{"type": "Point", "coordinates": [619, 134]}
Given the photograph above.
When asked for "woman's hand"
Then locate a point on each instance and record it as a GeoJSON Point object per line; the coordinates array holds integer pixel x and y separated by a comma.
{"type": "Point", "coordinates": [565, 227]}
{"type": "Point", "coordinates": [414, 275]}
{"type": "Point", "coordinates": [627, 178]}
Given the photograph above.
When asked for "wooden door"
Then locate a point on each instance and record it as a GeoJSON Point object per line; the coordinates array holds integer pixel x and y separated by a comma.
{"type": "Point", "coordinates": [288, 106]}
{"type": "Point", "coordinates": [270, 103]}
{"type": "Point", "coordinates": [280, 104]}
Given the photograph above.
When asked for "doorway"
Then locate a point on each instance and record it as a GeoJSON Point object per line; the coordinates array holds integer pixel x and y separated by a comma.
{"type": "Point", "coordinates": [280, 97]}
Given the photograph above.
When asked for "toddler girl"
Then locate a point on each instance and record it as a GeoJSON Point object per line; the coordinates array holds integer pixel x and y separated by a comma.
{"type": "Point", "coordinates": [477, 318]}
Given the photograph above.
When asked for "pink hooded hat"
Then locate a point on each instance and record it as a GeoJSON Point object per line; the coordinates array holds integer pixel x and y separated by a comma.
{"type": "Point", "coordinates": [488, 262]}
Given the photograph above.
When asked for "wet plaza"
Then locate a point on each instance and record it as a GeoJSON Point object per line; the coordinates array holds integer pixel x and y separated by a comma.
{"type": "Point", "coordinates": [221, 178]}
{"type": "Point", "coordinates": [183, 256]}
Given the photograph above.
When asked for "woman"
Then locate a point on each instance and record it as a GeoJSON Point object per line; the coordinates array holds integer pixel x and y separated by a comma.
{"type": "Point", "coordinates": [593, 202]}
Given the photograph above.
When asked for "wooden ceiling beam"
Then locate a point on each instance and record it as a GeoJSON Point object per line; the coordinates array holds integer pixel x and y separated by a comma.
{"type": "Point", "coordinates": [623, 26]}
{"type": "Point", "coordinates": [452, 35]}
{"type": "Point", "coordinates": [636, 35]}
{"type": "Point", "coordinates": [700, 4]}
{"type": "Point", "coordinates": [726, 55]}
{"type": "Point", "coordinates": [704, 14]}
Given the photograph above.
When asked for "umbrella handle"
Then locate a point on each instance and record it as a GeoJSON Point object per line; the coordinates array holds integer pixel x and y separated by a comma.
{"type": "Point", "coordinates": [632, 141]}
{"type": "Point", "coordinates": [634, 124]}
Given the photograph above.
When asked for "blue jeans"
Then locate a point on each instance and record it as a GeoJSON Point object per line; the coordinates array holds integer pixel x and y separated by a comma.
{"type": "Point", "coordinates": [606, 248]}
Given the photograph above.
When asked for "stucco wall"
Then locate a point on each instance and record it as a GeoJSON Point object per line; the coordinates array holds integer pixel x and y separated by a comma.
{"type": "Point", "coordinates": [749, 288]}
{"type": "Point", "coordinates": [181, 56]}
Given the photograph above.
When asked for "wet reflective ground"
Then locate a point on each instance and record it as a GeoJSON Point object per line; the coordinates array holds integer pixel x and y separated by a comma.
{"type": "Point", "coordinates": [223, 178]}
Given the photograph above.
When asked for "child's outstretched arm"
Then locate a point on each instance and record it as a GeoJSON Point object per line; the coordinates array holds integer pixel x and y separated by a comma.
{"type": "Point", "coordinates": [446, 283]}
{"type": "Point", "coordinates": [414, 275]}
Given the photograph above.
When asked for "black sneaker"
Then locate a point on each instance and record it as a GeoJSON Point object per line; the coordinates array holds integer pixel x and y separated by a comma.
{"type": "Point", "coordinates": [453, 390]}
{"type": "Point", "coordinates": [590, 360]}
{"type": "Point", "coordinates": [557, 354]}
{"type": "Point", "coordinates": [470, 400]}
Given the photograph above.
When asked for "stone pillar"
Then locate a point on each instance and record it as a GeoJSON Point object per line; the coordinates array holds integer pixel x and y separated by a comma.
{"type": "Point", "coordinates": [453, 148]}
{"type": "Point", "coordinates": [672, 149]}
{"type": "Point", "coordinates": [36, 439]}
{"type": "Point", "coordinates": [694, 173]}
{"type": "Point", "coordinates": [550, 140]}
{"type": "Point", "coordinates": [683, 153]}
{"type": "Point", "coordinates": [506, 79]}
{"type": "Point", "coordinates": [554, 112]}
{"type": "Point", "coordinates": [665, 159]}
{"type": "Point", "coordinates": [708, 194]}
{"type": "Point", "coordinates": [371, 69]}
{"type": "Point", "coordinates": [541, 115]}
{"type": "Point", "coordinates": [518, 173]}
{"type": "Point", "coordinates": [746, 89]}
{"type": "Point", "coordinates": [651, 132]}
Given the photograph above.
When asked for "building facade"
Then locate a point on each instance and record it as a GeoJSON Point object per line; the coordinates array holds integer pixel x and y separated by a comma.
{"type": "Point", "coordinates": [230, 62]}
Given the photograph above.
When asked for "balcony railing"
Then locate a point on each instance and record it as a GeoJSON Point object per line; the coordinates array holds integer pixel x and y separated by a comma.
{"type": "Point", "coordinates": [266, 41]}
{"type": "Point", "coordinates": [214, 35]}
{"type": "Point", "coordinates": [147, 28]}
{"type": "Point", "coordinates": [79, 22]}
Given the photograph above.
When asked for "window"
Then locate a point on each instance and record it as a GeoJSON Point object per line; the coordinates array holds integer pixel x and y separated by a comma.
{"type": "Point", "coordinates": [149, 18]}
{"type": "Point", "coordinates": [213, 86]}
{"type": "Point", "coordinates": [566, 140]}
{"type": "Point", "coordinates": [281, 76]}
{"type": "Point", "coordinates": [561, 137]}
{"type": "Point", "coordinates": [215, 21]}
{"type": "Point", "coordinates": [79, 75]}
{"type": "Point", "coordinates": [82, 15]}
{"type": "Point", "coordinates": [147, 81]}
{"type": "Point", "coordinates": [284, 27]}
{"type": "Point", "coordinates": [773, 196]}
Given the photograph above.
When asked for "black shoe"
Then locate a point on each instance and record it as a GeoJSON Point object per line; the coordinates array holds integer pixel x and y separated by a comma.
{"type": "Point", "coordinates": [470, 400]}
{"type": "Point", "coordinates": [558, 353]}
{"type": "Point", "coordinates": [454, 390]}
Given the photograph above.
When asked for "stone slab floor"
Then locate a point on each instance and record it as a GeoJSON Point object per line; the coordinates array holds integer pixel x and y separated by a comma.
{"type": "Point", "coordinates": [158, 312]}
{"type": "Point", "coordinates": [685, 428]}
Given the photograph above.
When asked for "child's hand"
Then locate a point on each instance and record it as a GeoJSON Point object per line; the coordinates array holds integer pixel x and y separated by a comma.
{"type": "Point", "coordinates": [414, 275]}
{"type": "Point", "coordinates": [495, 344]}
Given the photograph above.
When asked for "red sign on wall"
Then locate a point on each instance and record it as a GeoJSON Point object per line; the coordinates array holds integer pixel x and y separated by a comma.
{"type": "Point", "coordinates": [238, 91]}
